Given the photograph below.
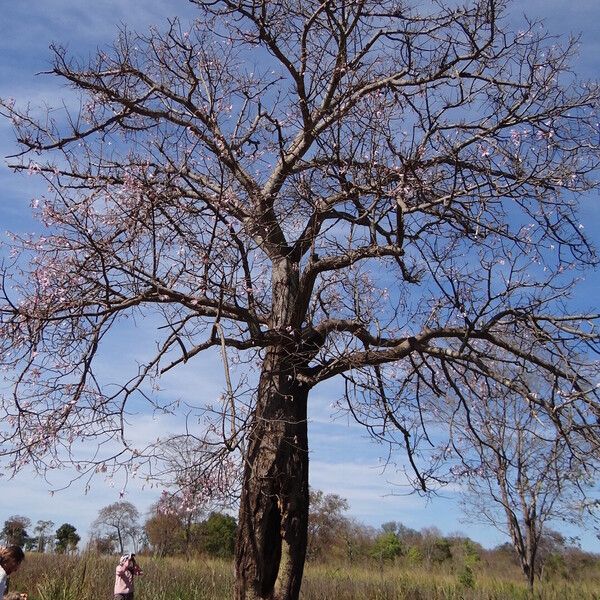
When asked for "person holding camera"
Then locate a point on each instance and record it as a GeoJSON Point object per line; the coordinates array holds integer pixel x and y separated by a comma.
{"type": "Point", "coordinates": [126, 571]}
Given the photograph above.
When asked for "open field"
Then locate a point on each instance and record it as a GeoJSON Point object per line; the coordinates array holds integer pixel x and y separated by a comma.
{"type": "Point", "coordinates": [90, 577]}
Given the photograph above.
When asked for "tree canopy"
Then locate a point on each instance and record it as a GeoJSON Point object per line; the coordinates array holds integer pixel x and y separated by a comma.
{"type": "Point", "coordinates": [14, 531]}
{"type": "Point", "coordinates": [67, 538]}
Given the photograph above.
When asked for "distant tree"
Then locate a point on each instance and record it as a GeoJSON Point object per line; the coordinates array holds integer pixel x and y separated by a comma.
{"type": "Point", "coordinates": [188, 516]}
{"type": "Point", "coordinates": [14, 532]}
{"type": "Point", "coordinates": [406, 534]}
{"type": "Point", "coordinates": [466, 577]}
{"type": "Point", "coordinates": [414, 555]}
{"type": "Point", "coordinates": [553, 548]}
{"type": "Point", "coordinates": [389, 527]}
{"type": "Point", "coordinates": [466, 555]}
{"type": "Point", "coordinates": [357, 540]}
{"type": "Point", "coordinates": [106, 544]}
{"type": "Point", "coordinates": [67, 539]}
{"type": "Point", "coordinates": [431, 532]}
{"type": "Point", "coordinates": [43, 531]}
{"type": "Point", "coordinates": [119, 519]}
{"type": "Point", "coordinates": [435, 547]}
{"type": "Point", "coordinates": [441, 550]}
{"type": "Point", "coordinates": [165, 531]}
{"type": "Point", "coordinates": [471, 551]}
{"type": "Point", "coordinates": [505, 548]}
{"type": "Point", "coordinates": [143, 543]}
{"type": "Point", "coordinates": [30, 543]}
{"type": "Point", "coordinates": [578, 563]}
{"type": "Point", "coordinates": [325, 521]}
{"type": "Point", "coordinates": [217, 535]}
{"type": "Point", "coordinates": [521, 476]}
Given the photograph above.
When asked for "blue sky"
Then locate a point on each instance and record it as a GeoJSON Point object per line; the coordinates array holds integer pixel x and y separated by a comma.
{"type": "Point", "coordinates": [343, 461]}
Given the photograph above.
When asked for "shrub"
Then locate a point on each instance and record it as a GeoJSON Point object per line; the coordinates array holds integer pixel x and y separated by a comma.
{"type": "Point", "coordinates": [387, 546]}
{"type": "Point", "coordinates": [466, 578]}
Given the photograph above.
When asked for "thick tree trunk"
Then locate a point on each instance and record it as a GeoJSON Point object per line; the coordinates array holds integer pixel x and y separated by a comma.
{"type": "Point", "coordinates": [273, 519]}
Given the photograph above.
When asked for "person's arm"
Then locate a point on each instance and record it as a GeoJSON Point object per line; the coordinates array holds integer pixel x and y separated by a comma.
{"type": "Point", "coordinates": [123, 568]}
{"type": "Point", "coordinates": [135, 568]}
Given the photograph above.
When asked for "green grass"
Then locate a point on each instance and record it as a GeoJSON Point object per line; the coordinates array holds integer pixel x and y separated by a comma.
{"type": "Point", "coordinates": [90, 577]}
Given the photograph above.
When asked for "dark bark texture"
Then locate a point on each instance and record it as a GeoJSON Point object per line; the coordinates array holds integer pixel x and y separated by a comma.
{"type": "Point", "coordinates": [271, 543]}
{"type": "Point", "coordinates": [273, 519]}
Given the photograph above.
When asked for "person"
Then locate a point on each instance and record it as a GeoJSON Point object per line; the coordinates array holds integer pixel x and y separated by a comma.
{"type": "Point", "coordinates": [10, 560]}
{"type": "Point", "coordinates": [127, 569]}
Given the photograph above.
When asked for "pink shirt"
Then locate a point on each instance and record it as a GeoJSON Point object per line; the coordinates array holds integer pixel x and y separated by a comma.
{"type": "Point", "coordinates": [124, 577]}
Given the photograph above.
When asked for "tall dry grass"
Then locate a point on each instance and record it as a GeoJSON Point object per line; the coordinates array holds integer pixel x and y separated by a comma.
{"type": "Point", "coordinates": [90, 577]}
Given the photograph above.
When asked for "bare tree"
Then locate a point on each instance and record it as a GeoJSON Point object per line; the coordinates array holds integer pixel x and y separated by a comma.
{"type": "Point", "coordinates": [520, 475]}
{"type": "Point", "coordinates": [43, 530]}
{"type": "Point", "coordinates": [120, 520]}
{"type": "Point", "coordinates": [352, 188]}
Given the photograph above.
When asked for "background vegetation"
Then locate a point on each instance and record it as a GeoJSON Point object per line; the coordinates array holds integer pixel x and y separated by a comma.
{"type": "Point", "coordinates": [188, 557]}
{"type": "Point", "coordinates": [90, 577]}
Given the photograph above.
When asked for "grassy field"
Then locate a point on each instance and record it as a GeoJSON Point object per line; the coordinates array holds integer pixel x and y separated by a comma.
{"type": "Point", "coordinates": [90, 577]}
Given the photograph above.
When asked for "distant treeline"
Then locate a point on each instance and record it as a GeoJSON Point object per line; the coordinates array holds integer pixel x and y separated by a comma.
{"type": "Point", "coordinates": [171, 530]}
